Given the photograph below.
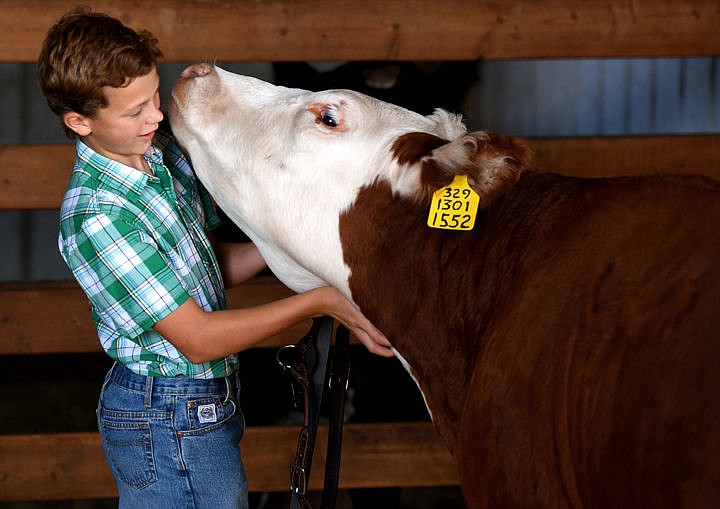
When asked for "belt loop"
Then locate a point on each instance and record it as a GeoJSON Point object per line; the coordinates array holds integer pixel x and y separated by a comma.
{"type": "Point", "coordinates": [227, 389]}
{"type": "Point", "coordinates": [148, 391]}
{"type": "Point", "coordinates": [108, 377]}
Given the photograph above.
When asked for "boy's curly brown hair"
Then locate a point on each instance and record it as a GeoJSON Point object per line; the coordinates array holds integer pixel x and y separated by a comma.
{"type": "Point", "coordinates": [86, 51]}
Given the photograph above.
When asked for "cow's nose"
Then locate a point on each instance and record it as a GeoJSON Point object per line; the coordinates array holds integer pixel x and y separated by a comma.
{"type": "Point", "coordinates": [196, 71]}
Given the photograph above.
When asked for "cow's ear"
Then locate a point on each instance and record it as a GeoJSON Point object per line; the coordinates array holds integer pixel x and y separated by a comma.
{"type": "Point", "coordinates": [492, 162]}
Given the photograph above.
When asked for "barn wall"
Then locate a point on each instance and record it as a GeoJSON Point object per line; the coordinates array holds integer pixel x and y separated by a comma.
{"type": "Point", "coordinates": [598, 97]}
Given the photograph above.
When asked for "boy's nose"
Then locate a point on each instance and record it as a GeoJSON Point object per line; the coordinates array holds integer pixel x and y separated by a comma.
{"type": "Point", "coordinates": [196, 71]}
{"type": "Point", "coordinates": [156, 116]}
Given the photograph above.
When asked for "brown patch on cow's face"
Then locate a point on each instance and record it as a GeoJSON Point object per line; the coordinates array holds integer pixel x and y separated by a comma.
{"type": "Point", "coordinates": [492, 162]}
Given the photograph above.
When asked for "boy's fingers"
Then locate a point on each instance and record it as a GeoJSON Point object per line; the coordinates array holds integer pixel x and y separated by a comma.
{"type": "Point", "coordinates": [380, 347]}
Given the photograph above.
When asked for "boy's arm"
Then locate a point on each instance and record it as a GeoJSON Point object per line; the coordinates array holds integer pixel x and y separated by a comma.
{"type": "Point", "coordinates": [204, 336]}
{"type": "Point", "coordinates": [238, 261]}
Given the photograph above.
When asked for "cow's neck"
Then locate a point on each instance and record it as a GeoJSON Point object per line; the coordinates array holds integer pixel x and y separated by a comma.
{"type": "Point", "coordinates": [436, 292]}
{"type": "Point", "coordinates": [413, 282]}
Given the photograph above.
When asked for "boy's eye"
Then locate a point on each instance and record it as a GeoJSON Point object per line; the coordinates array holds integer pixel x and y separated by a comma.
{"type": "Point", "coordinates": [136, 114]}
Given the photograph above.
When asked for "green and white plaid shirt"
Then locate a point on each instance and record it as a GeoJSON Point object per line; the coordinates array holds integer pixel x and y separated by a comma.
{"type": "Point", "coordinates": [137, 246]}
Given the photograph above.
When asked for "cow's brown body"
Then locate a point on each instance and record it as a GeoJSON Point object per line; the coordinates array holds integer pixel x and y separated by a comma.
{"type": "Point", "coordinates": [568, 346]}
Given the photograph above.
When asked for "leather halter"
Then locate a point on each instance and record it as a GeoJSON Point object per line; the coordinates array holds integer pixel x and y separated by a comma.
{"type": "Point", "coordinates": [315, 366]}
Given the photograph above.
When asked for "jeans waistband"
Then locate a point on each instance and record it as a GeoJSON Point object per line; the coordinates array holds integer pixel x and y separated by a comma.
{"type": "Point", "coordinates": [180, 385]}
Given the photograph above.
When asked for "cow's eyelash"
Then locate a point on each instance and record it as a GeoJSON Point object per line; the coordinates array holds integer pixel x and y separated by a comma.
{"type": "Point", "coordinates": [327, 115]}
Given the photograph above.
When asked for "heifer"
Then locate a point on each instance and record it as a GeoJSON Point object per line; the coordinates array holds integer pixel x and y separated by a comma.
{"type": "Point", "coordinates": [567, 345]}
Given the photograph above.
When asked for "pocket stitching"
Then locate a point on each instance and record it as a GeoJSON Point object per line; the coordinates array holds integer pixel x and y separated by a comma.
{"type": "Point", "coordinates": [146, 445]}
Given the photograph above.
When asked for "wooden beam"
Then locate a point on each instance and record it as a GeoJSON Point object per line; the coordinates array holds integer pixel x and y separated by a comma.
{"type": "Point", "coordinates": [285, 30]}
{"type": "Point", "coordinates": [373, 455]}
{"type": "Point", "coordinates": [42, 317]}
{"type": "Point", "coordinates": [35, 176]}
{"type": "Point", "coordinates": [613, 156]}
{"type": "Point", "coordinates": [54, 317]}
{"type": "Point", "coordinates": [72, 465]}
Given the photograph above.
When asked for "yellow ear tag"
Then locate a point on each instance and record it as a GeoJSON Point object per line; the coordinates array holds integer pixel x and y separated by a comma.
{"type": "Point", "coordinates": [454, 207]}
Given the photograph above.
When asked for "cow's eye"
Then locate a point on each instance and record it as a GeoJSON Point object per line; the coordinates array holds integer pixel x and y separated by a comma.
{"type": "Point", "coordinates": [328, 115]}
{"type": "Point", "coordinates": [329, 119]}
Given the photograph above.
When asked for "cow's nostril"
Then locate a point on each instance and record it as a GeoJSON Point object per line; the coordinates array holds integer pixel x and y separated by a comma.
{"type": "Point", "coordinates": [196, 71]}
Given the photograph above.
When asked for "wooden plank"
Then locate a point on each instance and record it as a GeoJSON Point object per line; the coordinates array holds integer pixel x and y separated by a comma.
{"type": "Point", "coordinates": [612, 156]}
{"type": "Point", "coordinates": [53, 467]}
{"type": "Point", "coordinates": [45, 318]}
{"type": "Point", "coordinates": [284, 30]}
{"type": "Point", "coordinates": [54, 317]}
{"type": "Point", "coordinates": [35, 176]}
{"type": "Point", "coordinates": [374, 455]}
{"type": "Point", "coordinates": [72, 465]}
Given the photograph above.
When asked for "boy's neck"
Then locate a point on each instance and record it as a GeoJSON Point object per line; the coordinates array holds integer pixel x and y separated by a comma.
{"type": "Point", "coordinates": [137, 162]}
{"type": "Point", "coordinates": [144, 166]}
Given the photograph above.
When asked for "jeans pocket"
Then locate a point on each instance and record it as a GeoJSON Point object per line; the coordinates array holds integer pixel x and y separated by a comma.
{"type": "Point", "coordinates": [128, 447]}
{"type": "Point", "coordinates": [208, 414]}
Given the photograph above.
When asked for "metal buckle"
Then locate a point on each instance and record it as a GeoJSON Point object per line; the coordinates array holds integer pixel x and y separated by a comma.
{"type": "Point", "coordinates": [298, 481]}
{"type": "Point", "coordinates": [281, 353]}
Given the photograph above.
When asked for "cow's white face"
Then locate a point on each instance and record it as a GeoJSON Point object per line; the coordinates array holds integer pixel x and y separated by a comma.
{"type": "Point", "coordinates": [285, 163]}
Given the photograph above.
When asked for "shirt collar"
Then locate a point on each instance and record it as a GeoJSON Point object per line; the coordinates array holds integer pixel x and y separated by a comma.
{"type": "Point", "coordinates": [117, 175]}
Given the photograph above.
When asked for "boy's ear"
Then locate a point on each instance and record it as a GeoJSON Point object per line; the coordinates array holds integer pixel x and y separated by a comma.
{"type": "Point", "coordinates": [77, 123]}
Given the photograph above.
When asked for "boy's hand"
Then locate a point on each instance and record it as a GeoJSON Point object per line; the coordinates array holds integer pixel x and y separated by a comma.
{"type": "Point", "coordinates": [340, 308]}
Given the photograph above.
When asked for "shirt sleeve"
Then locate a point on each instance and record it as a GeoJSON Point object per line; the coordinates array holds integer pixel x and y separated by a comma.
{"type": "Point", "coordinates": [129, 282]}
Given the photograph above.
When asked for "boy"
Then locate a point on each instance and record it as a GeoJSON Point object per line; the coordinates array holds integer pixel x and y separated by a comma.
{"type": "Point", "coordinates": [132, 231]}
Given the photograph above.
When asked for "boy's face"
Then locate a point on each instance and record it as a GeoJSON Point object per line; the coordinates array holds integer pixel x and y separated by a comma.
{"type": "Point", "coordinates": [123, 131]}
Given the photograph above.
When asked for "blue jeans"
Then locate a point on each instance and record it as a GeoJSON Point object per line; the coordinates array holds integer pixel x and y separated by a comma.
{"type": "Point", "coordinates": [172, 443]}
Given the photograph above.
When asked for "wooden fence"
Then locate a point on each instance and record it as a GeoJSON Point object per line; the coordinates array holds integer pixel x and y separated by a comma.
{"type": "Point", "coordinates": [49, 318]}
